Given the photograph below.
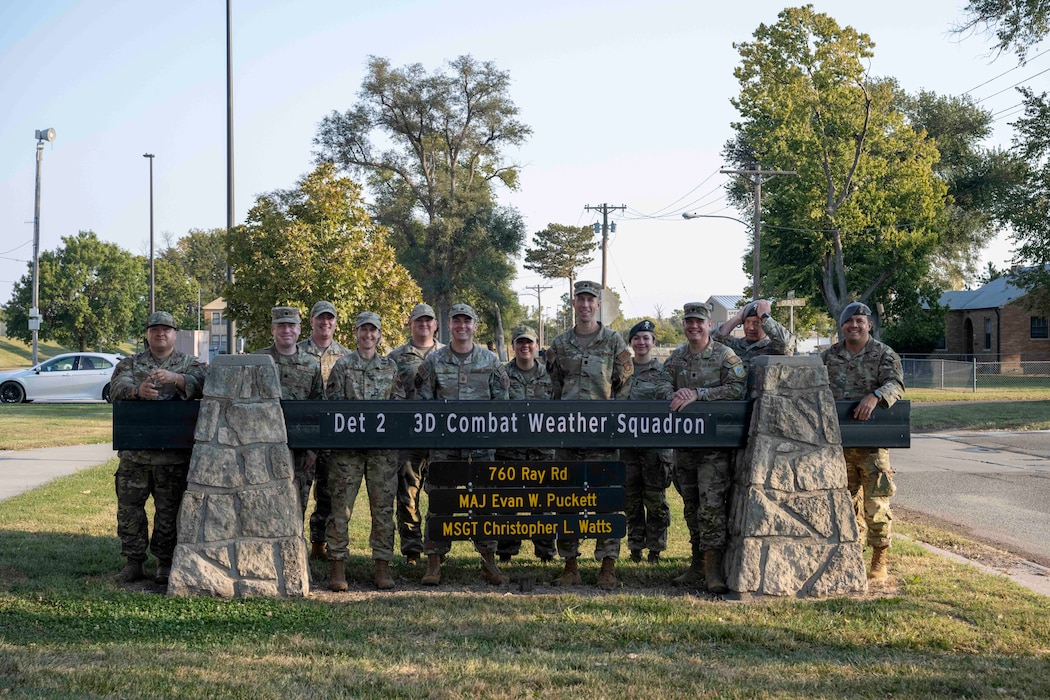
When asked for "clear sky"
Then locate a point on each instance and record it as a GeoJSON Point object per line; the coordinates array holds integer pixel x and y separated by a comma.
{"type": "Point", "coordinates": [628, 101]}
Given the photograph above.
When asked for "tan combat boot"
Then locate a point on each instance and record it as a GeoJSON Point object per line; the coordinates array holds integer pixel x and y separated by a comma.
{"type": "Point", "coordinates": [490, 572]}
{"type": "Point", "coordinates": [319, 550]}
{"type": "Point", "coordinates": [432, 577]}
{"type": "Point", "coordinates": [878, 564]}
{"type": "Point", "coordinates": [694, 574]}
{"type": "Point", "coordinates": [132, 571]}
{"type": "Point", "coordinates": [570, 576]}
{"type": "Point", "coordinates": [384, 581]}
{"type": "Point", "coordinates": [607, 576]}
{"type": "Point", "coordinates": [713, 572]}
{"type": "Point", "coordinates": [337, 580]}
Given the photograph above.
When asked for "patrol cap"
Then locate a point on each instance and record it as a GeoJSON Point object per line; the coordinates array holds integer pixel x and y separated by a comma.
{"type": "Point", "coordinates": [523, 332]}
{"type": "Point", "coordinates": [323, 307]}
{"type": "Point", "coordinates": [751, 310]}
{"type": "Point", "coordinates": [161, 318]}
{"type": "Point", "coordinates": [285, 314]}
{"type": "Point", "coordinates": [421, 310]}
{"type": "Point", "coordinates": [585, 287]}
{"type": "Point", "coordinates": [644, 325]}
{"type": "Point", "coordinates": [368, 317]}
{"type": "Point", "coordinates": [854, 309]}
{"type": "Point", "coordinates": [462, 310]}
{"type": "Point", "coordinates": [697, 309]}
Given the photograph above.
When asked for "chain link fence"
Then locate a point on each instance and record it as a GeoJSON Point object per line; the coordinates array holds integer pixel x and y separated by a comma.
{"type": "Point", "coordinates": [973, 375]}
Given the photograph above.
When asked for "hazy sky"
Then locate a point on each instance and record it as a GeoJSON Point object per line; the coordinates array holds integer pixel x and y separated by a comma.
{"type": "Point", "coordinates": [628, 102]}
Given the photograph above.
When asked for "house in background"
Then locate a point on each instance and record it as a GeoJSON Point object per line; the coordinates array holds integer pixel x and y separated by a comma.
{"type": "Point", "coordinates": [991, 324]}
{"type": "Point", "coordinates": [724, 308]}
{"type": "Point", "coordinates": [215, 323]}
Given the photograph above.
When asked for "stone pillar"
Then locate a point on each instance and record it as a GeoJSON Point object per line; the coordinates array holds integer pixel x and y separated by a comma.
{"type": "Point", "coordinates": [792, 530]}
{"type": "Point", "coordinates": [240, 525]}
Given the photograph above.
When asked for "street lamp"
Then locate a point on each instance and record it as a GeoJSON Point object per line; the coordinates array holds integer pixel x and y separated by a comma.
{"type": "Point", "coordinates": [152, 299]}
{"type": "Point", "coordinates": [34, 312]}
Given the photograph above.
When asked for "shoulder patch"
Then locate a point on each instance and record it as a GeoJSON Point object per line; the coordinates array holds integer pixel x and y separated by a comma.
{"type": "Point", "coordinates": [738, 370]}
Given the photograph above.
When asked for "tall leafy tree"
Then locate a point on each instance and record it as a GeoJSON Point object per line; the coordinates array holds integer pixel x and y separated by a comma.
{"type": "Point", "coordinates": [432, 148]}
{"type": "Point", "coordinates": [202, 256]}
{"type": "Point", "coordinates": [559, 251]}
{"type": "Point", "coordinates": [1017, 24]}
{"type": "Point", "coordinates": [316, 241]}
{"type": "Point", "coordinates": [862, 216]}
{"type": "Point", "coordinates": [91, 295]}
{"type": "Point", "coordinates": [176, 292]}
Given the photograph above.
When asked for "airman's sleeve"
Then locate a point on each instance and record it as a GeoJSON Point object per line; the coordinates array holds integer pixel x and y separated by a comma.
{"type": "Point", "coordinates": [194, 377]}
{"type": "Point", "coordinates": [781, 340]}
{"type": "Point", "coordinates": [891, 377]}
{"type": "Point", "coordinates": [733, 377]}
{"type": "Point", "coordinates": [424, 380]}
{"type": "Point", "coordinates": [623, 368]}
{"type": "Point", "coordinates": [555, 373]}
{"type": "Point", "coordinates": [122, 382]}
{"type": "Point", "coordinates": [499, 383]}
{"type": "Point", "coordinates": [334, 389]}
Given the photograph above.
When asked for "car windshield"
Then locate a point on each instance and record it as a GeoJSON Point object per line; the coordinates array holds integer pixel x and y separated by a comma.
{"type": "Point", "coordinates": [59, 364]}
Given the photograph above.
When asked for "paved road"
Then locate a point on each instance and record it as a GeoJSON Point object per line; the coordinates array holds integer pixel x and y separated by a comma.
{"type": "Point", "coordinates": [994, 486]}
{"type": "Point", "coordinates": [21, 470]}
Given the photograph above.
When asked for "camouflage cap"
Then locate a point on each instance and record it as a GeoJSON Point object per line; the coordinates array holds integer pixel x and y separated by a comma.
{"type": "Point", "coordinates": [585, 287]}
{"type": "Point", "coordinates": [421, 310]}
{"type": "Point", "coordinates": [323, 307]}
{"type": "Point", "coordinates": [161, 318]}
{"type": "Point", "coordinates": [857, 308]}
{"type": "Point", "coordinates": [697, 309]}
{"type": "Point", "coordinates": [366, 317]}
{"type": "Point", "coordinates": [642, 326]}
{"type": "Point", "coordinates": [285, 314]}
{"type": "Point", "coordinates": [462, 310]}
{"type": "Point", "coordinates": [524, 332]}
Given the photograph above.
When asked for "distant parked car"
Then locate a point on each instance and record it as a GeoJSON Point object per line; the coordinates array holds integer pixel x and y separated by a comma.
{"type": "Point", "coordinates": [74, 376]}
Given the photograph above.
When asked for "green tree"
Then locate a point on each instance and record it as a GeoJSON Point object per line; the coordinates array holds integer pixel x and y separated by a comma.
{"type": "Point", "coordinates": [316, 241]}
{"type": "Point", "coordinates": [559, 251]}
{"type": "Point", "coordinates": [862, 216]}
{"type": "Point", "coordinates": [176, 292]}
{"type": "Point", "coordinates": [202, 256]}
{"type": "Point", "coordinates": [1017, 25]}
{"type": "Point", "coordinates": [431, 146]}
{"type": "Point", "coordinates": [91, 295]}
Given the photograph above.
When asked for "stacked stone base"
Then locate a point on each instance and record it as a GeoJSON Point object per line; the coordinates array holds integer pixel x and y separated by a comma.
{"type": "Point", "coordinates": [240, 524]}
{"type": "Point", "coordinates": [792, 529]}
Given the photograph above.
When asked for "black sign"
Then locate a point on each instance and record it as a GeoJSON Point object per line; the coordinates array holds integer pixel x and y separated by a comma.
{"type": "Point", "coordinates": [512, 473]}
{"type": "Point", "coordinates": [526, 527]}
{"type": "Point", "coordinates": [608, 499]}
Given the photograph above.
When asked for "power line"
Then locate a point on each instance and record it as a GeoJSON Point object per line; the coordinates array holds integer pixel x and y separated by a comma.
{"type": "Point", "coordinates": [1045, 70]}
{"type": "Point", "coordinates": [1010, 70]}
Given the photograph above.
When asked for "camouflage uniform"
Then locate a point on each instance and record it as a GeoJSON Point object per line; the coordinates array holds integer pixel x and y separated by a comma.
{"type": "Point", "coordinates": [161, 473]}
{"type": "Point", "coordinates": [649, 470]}
{"type": "Point", "coordinates": [869, 474]}
{"type": "Point", "coordinates": [598, 371]}
{"type": "Point", "coordinates": [354, 378]}
{"type": "Point", "coordinates": [534, 385]}
{"type": "Point", "coordinates": [778, 341]}
{"type": "Point", "coordinates": [300, 376]}
{"type": "Point", "coordinates": [478, 377]}
{"type": "Point", "coordinates": [703, 476]}
{"type": "Point", "coordinates": [327, 357]}
{"type": "Point", "coordinates": [413, 462]}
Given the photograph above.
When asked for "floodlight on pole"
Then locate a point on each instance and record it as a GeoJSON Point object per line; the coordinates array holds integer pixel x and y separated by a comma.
{"type": "Point", "coordinates": [152, 278]}
{"type": "Point", "coordinates": [42, 135]}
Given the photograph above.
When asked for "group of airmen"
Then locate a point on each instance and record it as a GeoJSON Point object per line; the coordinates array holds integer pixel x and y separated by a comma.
{"type": "Point", "coordinates": [587, 362]}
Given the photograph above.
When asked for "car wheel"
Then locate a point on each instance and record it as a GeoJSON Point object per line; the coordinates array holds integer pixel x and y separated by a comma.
{"type": "Point", "coordinates": [12, 392]}
{"type": "Point", "coordinates": [105, 394]}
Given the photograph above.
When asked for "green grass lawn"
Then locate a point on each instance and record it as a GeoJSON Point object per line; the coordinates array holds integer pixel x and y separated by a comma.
{"type": "Point", "coordinates": [68, 630]}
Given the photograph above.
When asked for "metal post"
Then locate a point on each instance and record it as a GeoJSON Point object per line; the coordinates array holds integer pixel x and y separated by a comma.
{"type": "Point", "coordinates": [231, 328]}
{"type": "Point", "coordinates": [152, 265]}
{"type": "Point", "coordinates": [36, 247]}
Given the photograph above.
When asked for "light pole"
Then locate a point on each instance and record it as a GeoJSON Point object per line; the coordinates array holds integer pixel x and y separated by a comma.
{"type": "Point", "coordinates": [34, 312]}
{"type": "Point", "coordinates": [152, 280]}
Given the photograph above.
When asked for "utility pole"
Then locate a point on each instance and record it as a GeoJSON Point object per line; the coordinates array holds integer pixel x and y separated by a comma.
{"type": "Point", "coordinates": [605, 209]}
{"type": "Point", "coordinates": [231, 327]}
{"type": "Point", "coordinates": [756, 177]}
{"type": "Point", "coordinates": [538, 290]}
{"type": "Point", "coordinates": [34, 312]}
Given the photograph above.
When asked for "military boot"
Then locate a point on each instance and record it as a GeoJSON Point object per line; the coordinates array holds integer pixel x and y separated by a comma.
{"type": "Point", "coordinates": [713, 571]}
{"type": "Point", "coordinates": [384, 581]}
{"type": "Point", "coordinates": [319, 550]}
{"type": "Point", "coordinates": [878, 564]}
{"type": "Point", "coordinates": [695, 573]}
{"type": "Point", "coordinates": [432, 577]}
{"type": "Point", "coordinates": [163, 572]}
{"type": "Point", "coordinates": [337, 581]}
{"type": "Point", "coordinates": [570, 576]}
{"type": "Point", "coordinates": [636, 556]}
{"type": "Point", "coordinates": [132, 571]}
{"type": "Point", "coordinates": [607, 576]}
{"type": "Point", "coordinates": [490, 572]}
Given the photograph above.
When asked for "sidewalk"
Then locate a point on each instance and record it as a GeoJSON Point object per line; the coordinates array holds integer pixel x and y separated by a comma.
{"type": "Point", "coordinates": [22, 470]}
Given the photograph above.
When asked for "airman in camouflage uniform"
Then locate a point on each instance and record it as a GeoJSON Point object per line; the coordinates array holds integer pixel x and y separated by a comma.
{"type": "Point", "coordinates": [466, 371]}
{"type": "Point", "coordinates": [863, 369]}
{"type": "Point", "coordinates": [704, 370]}
{"type": "Point", "coordinates": [763, 334]}
{"type": "Point", "coordinates": [322, 345]}
{"type": "Point", "coordinates": [649, 470]}
{"type": "Point", "coordinates": [423, 324]}
{"type": "Point", "coordinates": [589, 362]}
{"type": "Point", "coordinates": [159, 373]}
{"type": "Point", "coordinates": [529, 381]}
{"type": "Point", "coordinates": [363, 375]}
{"type": "Point", "coordinates": [300, 376]}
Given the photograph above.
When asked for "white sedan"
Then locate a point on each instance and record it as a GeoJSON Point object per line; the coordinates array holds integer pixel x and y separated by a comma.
{"type": "Point", "coordinates": [75, 376]}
